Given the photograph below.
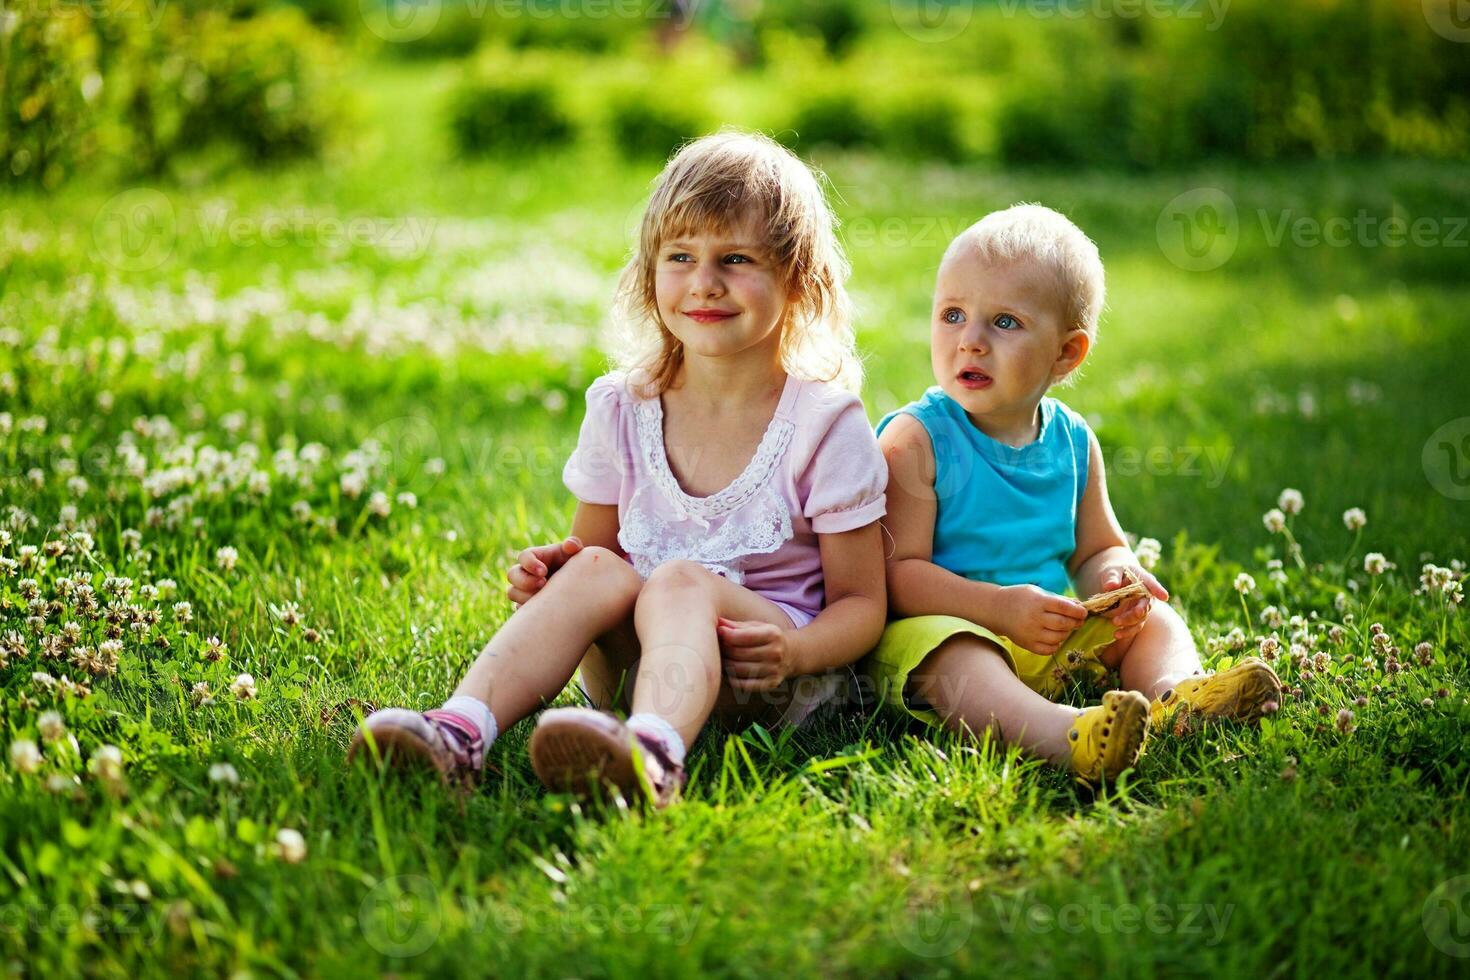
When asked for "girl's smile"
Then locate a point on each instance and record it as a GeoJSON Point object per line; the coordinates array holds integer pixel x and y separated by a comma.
{"type": "Point", "coordinates": [720, 278]}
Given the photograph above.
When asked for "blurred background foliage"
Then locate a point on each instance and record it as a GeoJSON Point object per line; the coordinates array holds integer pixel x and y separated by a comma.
{"type": "Point", "coordinates": [130, 87]}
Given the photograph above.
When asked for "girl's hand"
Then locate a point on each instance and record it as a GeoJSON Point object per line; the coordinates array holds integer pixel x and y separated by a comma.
{"type": "Point", "coordinates": [1039, 620]}
{"type": "Point", "coordinates": [535, 565]}
{"type": "Point", "coordinates": [755, 655]}
{"type": "Point", "coordinates": [1128, 619]}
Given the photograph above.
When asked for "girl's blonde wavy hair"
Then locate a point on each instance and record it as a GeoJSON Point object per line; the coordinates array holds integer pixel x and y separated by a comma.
{"type": "Point", "coordinates": [712, 184]}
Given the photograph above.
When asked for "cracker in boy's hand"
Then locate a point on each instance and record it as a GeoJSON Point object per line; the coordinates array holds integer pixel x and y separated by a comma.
{"type": "Point", "coordinates": [1105, 602]}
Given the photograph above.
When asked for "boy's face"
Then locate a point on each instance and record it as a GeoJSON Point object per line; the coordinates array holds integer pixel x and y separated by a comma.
{"type": "Point", "coordinates": [718, 291]}
{"type": "Point", "coordinates": [999, 337]}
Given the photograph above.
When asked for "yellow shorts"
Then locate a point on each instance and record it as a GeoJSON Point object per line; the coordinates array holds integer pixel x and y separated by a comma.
{"type": "Point", "coordinates": [906, 642]}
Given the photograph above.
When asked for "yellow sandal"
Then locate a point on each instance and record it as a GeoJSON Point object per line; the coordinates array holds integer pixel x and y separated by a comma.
{"type": "Point", "coordinates": [1109, 737]}
{"type": "Point", "coordinates": [1242, 693]}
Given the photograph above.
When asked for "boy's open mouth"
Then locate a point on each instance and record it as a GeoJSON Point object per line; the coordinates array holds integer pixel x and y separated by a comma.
{"type": "Point", "coordinates": [973, 378]}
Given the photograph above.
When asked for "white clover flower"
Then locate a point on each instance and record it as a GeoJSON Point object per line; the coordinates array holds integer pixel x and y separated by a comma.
{"type": "Point", "coordinates": [1290, 501]}
{"type": "Point", "coordinates": [379, 504]}
{"type": "Point", "coordinates": [408, 500]}
{"type": "Point", "coordinates": [51, 726]}
{"type": "Point", "coordinates": [353, 482]}
{"type": "Point", "coordinates": [42, 679]}
{"type": "Point", "coordinates": [290, 846]}
{"type": "Point", "coordinates": [106, 764]}
{"type": "Point", "coordinates": [1244, 584]}
{"type": "Point", "coordinates": [289, 613]}
{"type": "Point", "coordinates": [1148, 552]}
{"type": "Point", "coordinates": [301, 511]}
{"type": "Point", "coordinates": [1274, 520]}
{"type": "Point", "coordinates": [223, 772]}
{"type": "Point", "coordinates": [200, 695]}
{"type": "Point", "coordinates": [243, 687]}
{"type": "Point", "coordinates": [1375, 563]}
{"type": "Point", "coordinates": [1272, 617]}
{"type": "Point", "coordinates": [226, 558]}
{"type": "Point", "coordinates": [25, 756]}
{"type": "Point", "coordinates": [183, 612]}
{"type": "Point", "coordinates": [1354, 518]}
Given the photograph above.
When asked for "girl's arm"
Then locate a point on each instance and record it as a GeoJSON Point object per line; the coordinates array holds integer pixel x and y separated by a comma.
{"type": "Point", "coordinates": [1103, 559]}
{"type": "Point", "coordinates": [759, 656]}
{"type": "Point", "coordinates": [597, 525]}
{"type": "Point", "coordinates": [1038, 620]}
{"type": "Point", "coordinates": [851, 621]}
{"type": "Point", "coordinates": [593, 525]}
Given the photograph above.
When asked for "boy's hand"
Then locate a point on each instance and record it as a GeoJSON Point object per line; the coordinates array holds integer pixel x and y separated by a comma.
{"type": "Point", "coordinates": [1128, 619]}
{"type": "Point", "coordinates": [1037, 619]}
{"type": "Point", "coordinates": [535, 565]}
{"type": "Point", "coordinates": [755, 655]}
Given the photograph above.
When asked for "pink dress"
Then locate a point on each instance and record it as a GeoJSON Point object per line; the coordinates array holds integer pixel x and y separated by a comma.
{"type": "Point", "coordinates": [818, 470]}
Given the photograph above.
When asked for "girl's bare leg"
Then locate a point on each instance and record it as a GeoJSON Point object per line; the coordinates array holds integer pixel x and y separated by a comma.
{"type": "Point", "coordinates": [679, 675]}
{"type": "Point", "coordinates": [971, 686]}
{"type": "Point", "coordinates": [529, 661]}
{"type": "Point", "coordinates": [1159, 657]}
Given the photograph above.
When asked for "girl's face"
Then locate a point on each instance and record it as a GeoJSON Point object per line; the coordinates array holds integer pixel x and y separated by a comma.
{"type": "Point", "coordinates": [719, 292]}
{"type": "Point", "coordinates": [998, 338]}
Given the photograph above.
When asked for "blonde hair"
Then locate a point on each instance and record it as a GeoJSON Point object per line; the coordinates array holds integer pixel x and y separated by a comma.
{"type": "Point", "coordinates": [1034, 233]}
{"type": "Point", "coordinates": [713, 183]}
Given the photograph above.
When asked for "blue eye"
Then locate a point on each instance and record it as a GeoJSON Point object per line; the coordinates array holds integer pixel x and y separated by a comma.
{"type": "Point", "coordinates": [732, 258]}
{"type": "Point", "coordinates": [953, 315]}
{"type": "Point", "coordinates": [679, 256]}
{"type": "Point", "coordinates": [1007, 322]}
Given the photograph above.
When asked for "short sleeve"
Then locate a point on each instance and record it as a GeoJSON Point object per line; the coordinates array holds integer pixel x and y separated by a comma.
{"type": "Point", "coordinates": [844, 481]}
{"type": "Point", "coordinates": [594, 471]}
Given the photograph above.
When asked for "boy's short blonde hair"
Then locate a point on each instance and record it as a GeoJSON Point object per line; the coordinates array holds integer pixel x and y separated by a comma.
{"type": "Point", "coordinates": [1034, 233]}
{"type": "Point", "coordinates": [716, 182]}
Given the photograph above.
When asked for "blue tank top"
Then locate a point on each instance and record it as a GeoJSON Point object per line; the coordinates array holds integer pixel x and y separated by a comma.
{"type": "Point", "coordinates": [1006, 515]}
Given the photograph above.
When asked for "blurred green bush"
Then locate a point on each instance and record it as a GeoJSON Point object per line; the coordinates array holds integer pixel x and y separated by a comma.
{"type": "Point", "coordinates": [507, 107]}
{"type": "Point", "coordinates": [1272, 80]}
{"type": "Point", "coordinates": [105, 86]}
{"type": "Point", "coordinates": [650, 122]}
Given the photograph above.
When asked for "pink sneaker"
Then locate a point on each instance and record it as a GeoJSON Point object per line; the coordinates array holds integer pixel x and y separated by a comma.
{"type": "Point", "coordinates": [579, 750]}
{"type": "Point", "coordinates": [444, 741]}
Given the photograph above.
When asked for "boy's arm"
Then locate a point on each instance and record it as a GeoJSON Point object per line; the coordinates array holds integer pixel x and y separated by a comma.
{"type": "Point", "coordinates": [1103, 560]}
{"type": "Point", "coordinates": [851, 621]}
{"type": "Point", "coordinates": [1033, 617]}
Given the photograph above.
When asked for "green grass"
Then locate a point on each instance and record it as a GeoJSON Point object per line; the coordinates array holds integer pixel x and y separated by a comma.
{"type": "Point", "coordinates": [857, 846]}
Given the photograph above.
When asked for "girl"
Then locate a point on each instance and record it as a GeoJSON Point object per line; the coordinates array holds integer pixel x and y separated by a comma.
{"type": "Point", "coordinates": [725, 553]}
{"type": "Point", "coordinates": [997, 503]}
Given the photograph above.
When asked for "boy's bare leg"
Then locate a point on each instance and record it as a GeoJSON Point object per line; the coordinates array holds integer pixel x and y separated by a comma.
{"type": "Point", "coordinates": [1160, 656]}
{"type": "Point", "coordinates": [680, 677]}
{"type": "Point", "coordinates": [529, 661]}
{"type": "Point", "coordinates": [970, 685]}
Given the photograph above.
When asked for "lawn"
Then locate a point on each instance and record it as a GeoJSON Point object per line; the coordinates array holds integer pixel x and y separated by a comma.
{"type": "Point", "coordinates": [310, 413]}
